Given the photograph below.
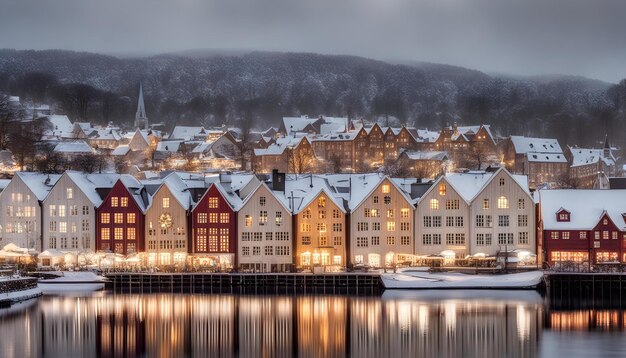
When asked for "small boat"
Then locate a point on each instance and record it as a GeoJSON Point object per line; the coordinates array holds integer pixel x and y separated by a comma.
{"type": "Point", "coordinates": [72, 282]}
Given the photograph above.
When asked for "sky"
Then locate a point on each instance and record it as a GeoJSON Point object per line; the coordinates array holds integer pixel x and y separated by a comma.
{"type": "Point", "coordinates": [519, 37]}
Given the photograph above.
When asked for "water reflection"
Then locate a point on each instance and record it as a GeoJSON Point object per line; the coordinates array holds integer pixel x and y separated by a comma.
{"type": "Point", "coordinates": [398, 324]}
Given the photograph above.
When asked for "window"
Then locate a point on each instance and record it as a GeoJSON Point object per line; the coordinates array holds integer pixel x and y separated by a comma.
{"type": "Point", "coordinates": [53, 210]}
{"type": "Point", "coordinates": [306, 240]}
{"type": "Point", "coordinates": [505, 239]}
{"type": "Point", "coordinates": [385, 188]}
{"type": "Point", "coordinates": [614, 235]}
{"type": "Point", "coordinates": [124, 202]}
{"type": "Point", "coordinates": [503, 220]}
{"type": "Point", "coordinates": [375, 240]}
{"type": "Point", "coordinates": [391, 240]}
{"type": "Point", "coordinates": [405, 240]}
{"type": "Point", "coordinates": [248, 220]}
{"type": "Point", "coordinates": [336, 214]}
{"type": "Point", "coordinates": [597, 235]}
{"type": "Point", "coordinates": [213, 202]}
{"type": "Point", "coordinates": [268, 236]}
{"type": "Point", "coordinates": [361, 242]}
{"type": "Point", "coordinates": [245, 251]}
{"type": "Point", "coordinates": [521, 204]}
{"type": "Point", "coordinates": [503, 202]}
{"type": "Point", "coordinates": [165, 203]}
{"type": "Point", "coordinates": [213, 239]}
{"type": "Point", "coordinates": [69, 193]}
{"type": "Point", "coordinates": [306, 214]}
{"type": "Point", "coordinates": [483, 221]}
{"type": "Point", "coordinates": [63, 226]}
{"type": "Point", "coordinates": [105, 233]}
{"type": "Point", "coordinates": [389, 213]}
{"type": "Point", "coordinates": [455, 239]}
{"type": "Point", "coordinates": [105, 218]}
{"type": "Point", "coordinates": [118, 218]}
{"type": "Point", "coordinates": [269, 250]}
{"type": "Point", "coordinates": [431, 239]}
{"type": "Point", "coordinates": [449, 221]}
{"type": "Point", "coordinates": [404, 213]}
{"type": "Point", "coordinates": [131, 233]}
{"type": "Point", "coordinates": [262, 217]}
{"type": "Point", "coordinates": [305, 227]}
{"type": "Point", "coordinates": [202, 218]}
{"type": "Point", "coordinates": [434, 204]}
{"type": "Point", "coordinates": [115, 202]}
{"type": "Point", "coordinates": [213, 218]}
{"type": "Point", "coordinates": [563, 216]}
{"type": "Point", "coordinates": [321, 202]}
{"type": "Point", "coordinates": [224, 218]}
{"type": "Point", "coordinates": [391, 226]}
{"type": "Point", "coordinates": [442, 189]}
{"type": "Point", "coordinates": [118, 233]}
{"type": "Point", "coordinates": [605, 235]}
{"type": "Point", "coordinates": [321, 214]}
{"type": "Point", "coordinates": [323, 241]}
{"type": "Point", "coordinates": [554, 235]}
{"type": "Point", "coordinates": [501, 181]}
{"type": "Point", "coordinates": [523, 238]}
{"type": "Point", "coordinates": [85, 210]}
{"type": "Point", "coordinates": [583, 235]}
{"type": "Point", "coordinates": [485, 204]}
{"type": "Point", "coordinates": [73, 210]}
{"type": "Point", "coordinates": [337, 227]}
{"type": "Point", "coordinates": [224, 239]}
{"type": "Point", "coordinates": [337, 240]}
{"type": "Point", "coordinates": [459, 221]}
{"type": "Point", "coordinates": [361, 226]}
{"type": "Point", "coordinates": [483, 239]}
{"type": "Point", "coordinates": [321, 227]}
{"type": "Point", "coordinates": [376, 226]}
{"type": "Point", "coordinates": [387, 200]}
{"type": "Point", "coordinates": [452, 204]}
{"type": "Point", "coordinates": [375, 199]}
{"type": "Point", "coordinates": [405, 226]}
{"type": "Point", "coordinates": [522, 220]}
{"type": "Point", "coordinates": [62, 211]}
{"type": "Point", "coordinates": [262, 201]}
{"type": "Point", "coordinates": [565, 235]}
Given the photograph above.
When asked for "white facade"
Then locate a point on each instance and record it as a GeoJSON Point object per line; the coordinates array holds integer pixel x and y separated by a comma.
{"type": "Point", "coordinates": [265, 232]}
{"type": "Point", "coordinates": [20, 205]}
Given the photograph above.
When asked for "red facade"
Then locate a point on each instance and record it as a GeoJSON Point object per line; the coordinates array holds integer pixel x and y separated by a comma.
{"type": "Point", "coordinates": [120, 223]}
{"type": "Point", "coordinates": [214, 225]}
{"type": "Point", "coordinates": [603, 243]}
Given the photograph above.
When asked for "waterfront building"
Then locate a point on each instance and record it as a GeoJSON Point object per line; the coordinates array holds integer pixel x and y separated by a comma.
{"type": "Point", "coordinates": [264, 222]}
{"type": "Point", "coordinates": [20, 204]}
{"type": "Point", "coordinates": [591, 168]}
{"type": "Point", "coordinates": [214, 227]}
{"type": "Point", "coordinates": [381, 221]}
{"type": "Point", "coordinates": [69, 212]}
{"type": "Point", "coordinates": [120, 218]}
{"type": "Point", "coordinates": [478, 214]}
{"type": "Point", "coordinates": [582, 226]}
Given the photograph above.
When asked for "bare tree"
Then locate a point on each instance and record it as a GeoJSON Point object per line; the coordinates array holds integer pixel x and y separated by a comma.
{"type": "Point", "coordinates": [49, 161]}
{"type": "Point", "coordinates": [121, 164]}
{"type": "Point", "coordinates": [245, 143]}
{"type": "Point", "coordinates": [396, 168]}
{"type": "Point", "coordinates": [186, 151]}
{"type": "Point", "coordinates": [8, 117]}
{"type": "Point", "coordinates": [301, 160]}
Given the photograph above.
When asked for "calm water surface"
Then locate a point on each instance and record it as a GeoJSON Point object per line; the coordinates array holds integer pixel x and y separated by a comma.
{"type": "Point", "coordinates": [395, 324]}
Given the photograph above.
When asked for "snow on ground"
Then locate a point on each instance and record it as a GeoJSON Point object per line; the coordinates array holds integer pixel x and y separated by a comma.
{"type": "Point", "coordinates": [424, 280]}
{"type": "Point", "coordinates": [16, 296]}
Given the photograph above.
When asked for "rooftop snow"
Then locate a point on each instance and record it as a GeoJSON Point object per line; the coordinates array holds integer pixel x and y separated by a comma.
{"type": "Point", "coordinates": [585, 206]}
{"type": "Point", "coordinates": [79, 146]}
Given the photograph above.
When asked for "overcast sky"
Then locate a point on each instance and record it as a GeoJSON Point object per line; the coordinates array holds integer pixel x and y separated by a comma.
{"type": "Point", "coordinates": [581, 37]}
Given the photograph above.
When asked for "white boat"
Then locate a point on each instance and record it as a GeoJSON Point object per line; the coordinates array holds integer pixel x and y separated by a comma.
{"type": "Point", "coordinates": [409, 279]}
{"type": "Point", "coordinates": [72, 282]}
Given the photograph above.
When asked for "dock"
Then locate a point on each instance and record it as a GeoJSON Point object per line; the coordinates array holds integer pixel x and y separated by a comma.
{"type": "Point", "coordinates": [243, 282]}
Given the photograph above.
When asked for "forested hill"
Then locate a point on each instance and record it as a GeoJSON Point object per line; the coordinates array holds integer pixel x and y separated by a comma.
{"type": "Point", "coordinates": [213, 88]}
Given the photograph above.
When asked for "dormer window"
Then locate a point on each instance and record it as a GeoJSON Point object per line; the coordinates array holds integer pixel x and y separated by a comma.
{"type": "Point", "coordinates": [563, 215]}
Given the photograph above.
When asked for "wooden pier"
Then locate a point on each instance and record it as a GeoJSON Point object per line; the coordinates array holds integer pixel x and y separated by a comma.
{"type": "Point", "coordinates": [243, 282]}
{"type": "Point", "coordinates": [586, 290]}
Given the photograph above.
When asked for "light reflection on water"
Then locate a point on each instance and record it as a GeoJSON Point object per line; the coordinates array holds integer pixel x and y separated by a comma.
{"type": "Point", "coordinates": [396, 324]}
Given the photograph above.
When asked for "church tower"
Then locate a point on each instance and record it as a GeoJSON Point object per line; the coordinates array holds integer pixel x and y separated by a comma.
{"type": "Point", "coordinates": [141, 120]}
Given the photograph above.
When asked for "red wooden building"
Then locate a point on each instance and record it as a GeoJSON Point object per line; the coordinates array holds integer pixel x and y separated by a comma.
{"type": "Point", "coordinates": [583, 226]}
{"type": "Point", "coordinates": [214, 228]}
{"type": "Point", "coordinates": [120, 219]}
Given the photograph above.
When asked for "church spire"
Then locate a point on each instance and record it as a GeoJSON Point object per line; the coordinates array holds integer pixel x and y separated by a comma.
{"type": "Point", "coordinates": [141, 119]}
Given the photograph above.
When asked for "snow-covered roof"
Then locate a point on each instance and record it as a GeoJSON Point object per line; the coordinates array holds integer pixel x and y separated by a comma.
{"type": "Point", "coordinates": [523, 145]}
{"type": "Point", "coordinates": [105, 134]}
{"type": "Point", "coordinates": [39, 183]}
{"type": "Point", "coordinates": [187, 133]}
{"type": "Point", "coordinates": [179, 189]}
{"type": "Point", "coordinates": [170, 146]}
{"type": "Point", "coordinates": [466, 131]}
{"type": "Point", "coordinates": [585, 156]}
{"type": "Point", "coordinates": [426, 155]}
{"type": "Point", "coordinates": [297, 124]}
{"type": "Point", "coordinates": [424, 135]}
{"type": "Point", "coordinates": [279, 146]}
{"type": "Point", "coordinates": [88, 183]}
{"type": "Point", "coordinates": [469, 185]}
{"type": "Point", "coordinates": [78, 146]}
{"type": "Point", "coordinates": [134, 187]}
{"type": "Point", "coordinates": [546, 157]}
{"type": "Point", "coordinates": [586, 207]}
{"type": "Point", "coordinates": [121, 150]}
{"type": "Point", "coordinates": [60, 126]}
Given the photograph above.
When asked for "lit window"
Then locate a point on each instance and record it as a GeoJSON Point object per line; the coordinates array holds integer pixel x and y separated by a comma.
{"type": "Point", "coordinates": [391, 226]}
{"type": "Point", "coordinates": [224, 218]}
{"type": "Point", "coordinates": [118, 218]}
{"type": "Point", "coordinates": [70, 193]}
{"type": "Point", "coordinates": [115, 202]}
{"type": "Point", "coordinates": [485, 204]}
{"type": "Point", "coordinates": [321, 202]}
{"type": "Point", "coordinates": [105, 218]}
{"type": "Point", "coordinates": [165, 203]}
{"type": "Point", "coordinates": [124, 201]}
{"type": "Point", "coordinates": [248, 220]}
{"type": "Point", "coordinates": [118, 233]}
{"type": "Point", "coordinates": [130, 218]}
{"type": "Point", "coordinates": [503, 203]}
{"type": "Point", "coordinates": [404, 213]}
{"type": "Point", "coordinates": [385, 189]}
{"type": "Point", "coordinates": [213, 203]}
{"type": "Point", "coordinates": [130, 233]}
{"type": "Point", "coordinates": [434, 204]}
{"type": "Point", "coordinates": [442, 189]}
{"type": "Point", "coordinates": [202, 218]}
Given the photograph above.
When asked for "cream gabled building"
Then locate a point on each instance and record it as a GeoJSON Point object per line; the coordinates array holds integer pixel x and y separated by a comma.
{"type": "Point", "coordinates": [69, 211]}
{"type": "Point", "coordinates": [264, 222]}
{"type": "Point", "coordinates": [20, 205]}
{"type": "Point", "coordinates": [167, 223]}
{"type": "Point", "coordinates": [381, 221]}
{"type": "Point", "coordinates": [475, 213]}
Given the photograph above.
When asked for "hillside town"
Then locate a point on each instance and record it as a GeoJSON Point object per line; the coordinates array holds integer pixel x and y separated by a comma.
{"type": "Point", "coordinates": [322, 194]}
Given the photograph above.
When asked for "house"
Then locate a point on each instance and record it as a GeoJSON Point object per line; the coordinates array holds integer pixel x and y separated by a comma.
{"type": "Point", "coordinates": [476, 214]}
{"type": "Point", "coordinates": [57, 127]}
{"type": "Point", "coordinates": [591, 168]}
{"type": "Point", "coordinates": [425, 164]}
{"type": "Point", "coordinates": [104, 138]}
{"type": "Point", "coordinates": [120, 218]}
{"type": "Point", "coordinates": [264, 221]}
{"type": "Point", "coordinates": [186, 133]}
{"type": "Point", "coordinates": [320, 222]}
{"type": "Point", "coordinates": [214, 227]}
{"type": "Point", "coordinates": [472, 147]}
{"type": "Point", "coordinates": [167, 223]}
{"type": "Point", "coordinates": [541, 159]}
{"type": "Point", "coordinates": [69, 213]}
{"type": "Point", "coordinates": [20, 204]}
{"type": "Point", "coordinates": [222, 152]}
{"type": "Point", "coordinates": [583, 226]}
{"type": "Point", "coordinates": [381, 221]}
{"type": "Point", "coordinates": [288, 154]}
{"type": "Point", "coordinates": [142, 140]}
{"type": "Point", "coordinates": [73, 149]}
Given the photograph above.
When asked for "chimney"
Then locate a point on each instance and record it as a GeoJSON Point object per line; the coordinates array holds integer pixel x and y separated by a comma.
{"type": "Point", "coordinates": [278, 180]}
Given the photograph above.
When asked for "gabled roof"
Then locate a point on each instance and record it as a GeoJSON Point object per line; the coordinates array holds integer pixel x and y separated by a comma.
{"type": "Point", "coordinates": [231, 198]}
{"type": "Point", "coordinates": [363, 187]}
{"type": "Point", "coordinates": [434, 155]}
{"type": "Point", "coordinates": [79, 146]}
{"type": "Point", "coordinates": [523, 145]}
{"type": "Point", "coordinates": [187, 132]}
{"type": "Point", "coordinates": [39, 183]}
{"type": "Point", "coordinates": [586, 156]}
{"type": "Point", "coordinates": [282, 199]}
{"type": "Point", "coordinates": [178, 189]}
{"type": "Point", "coordinates": [586, 207]}
{"type": "Point", "coordinates": [88, 183]}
